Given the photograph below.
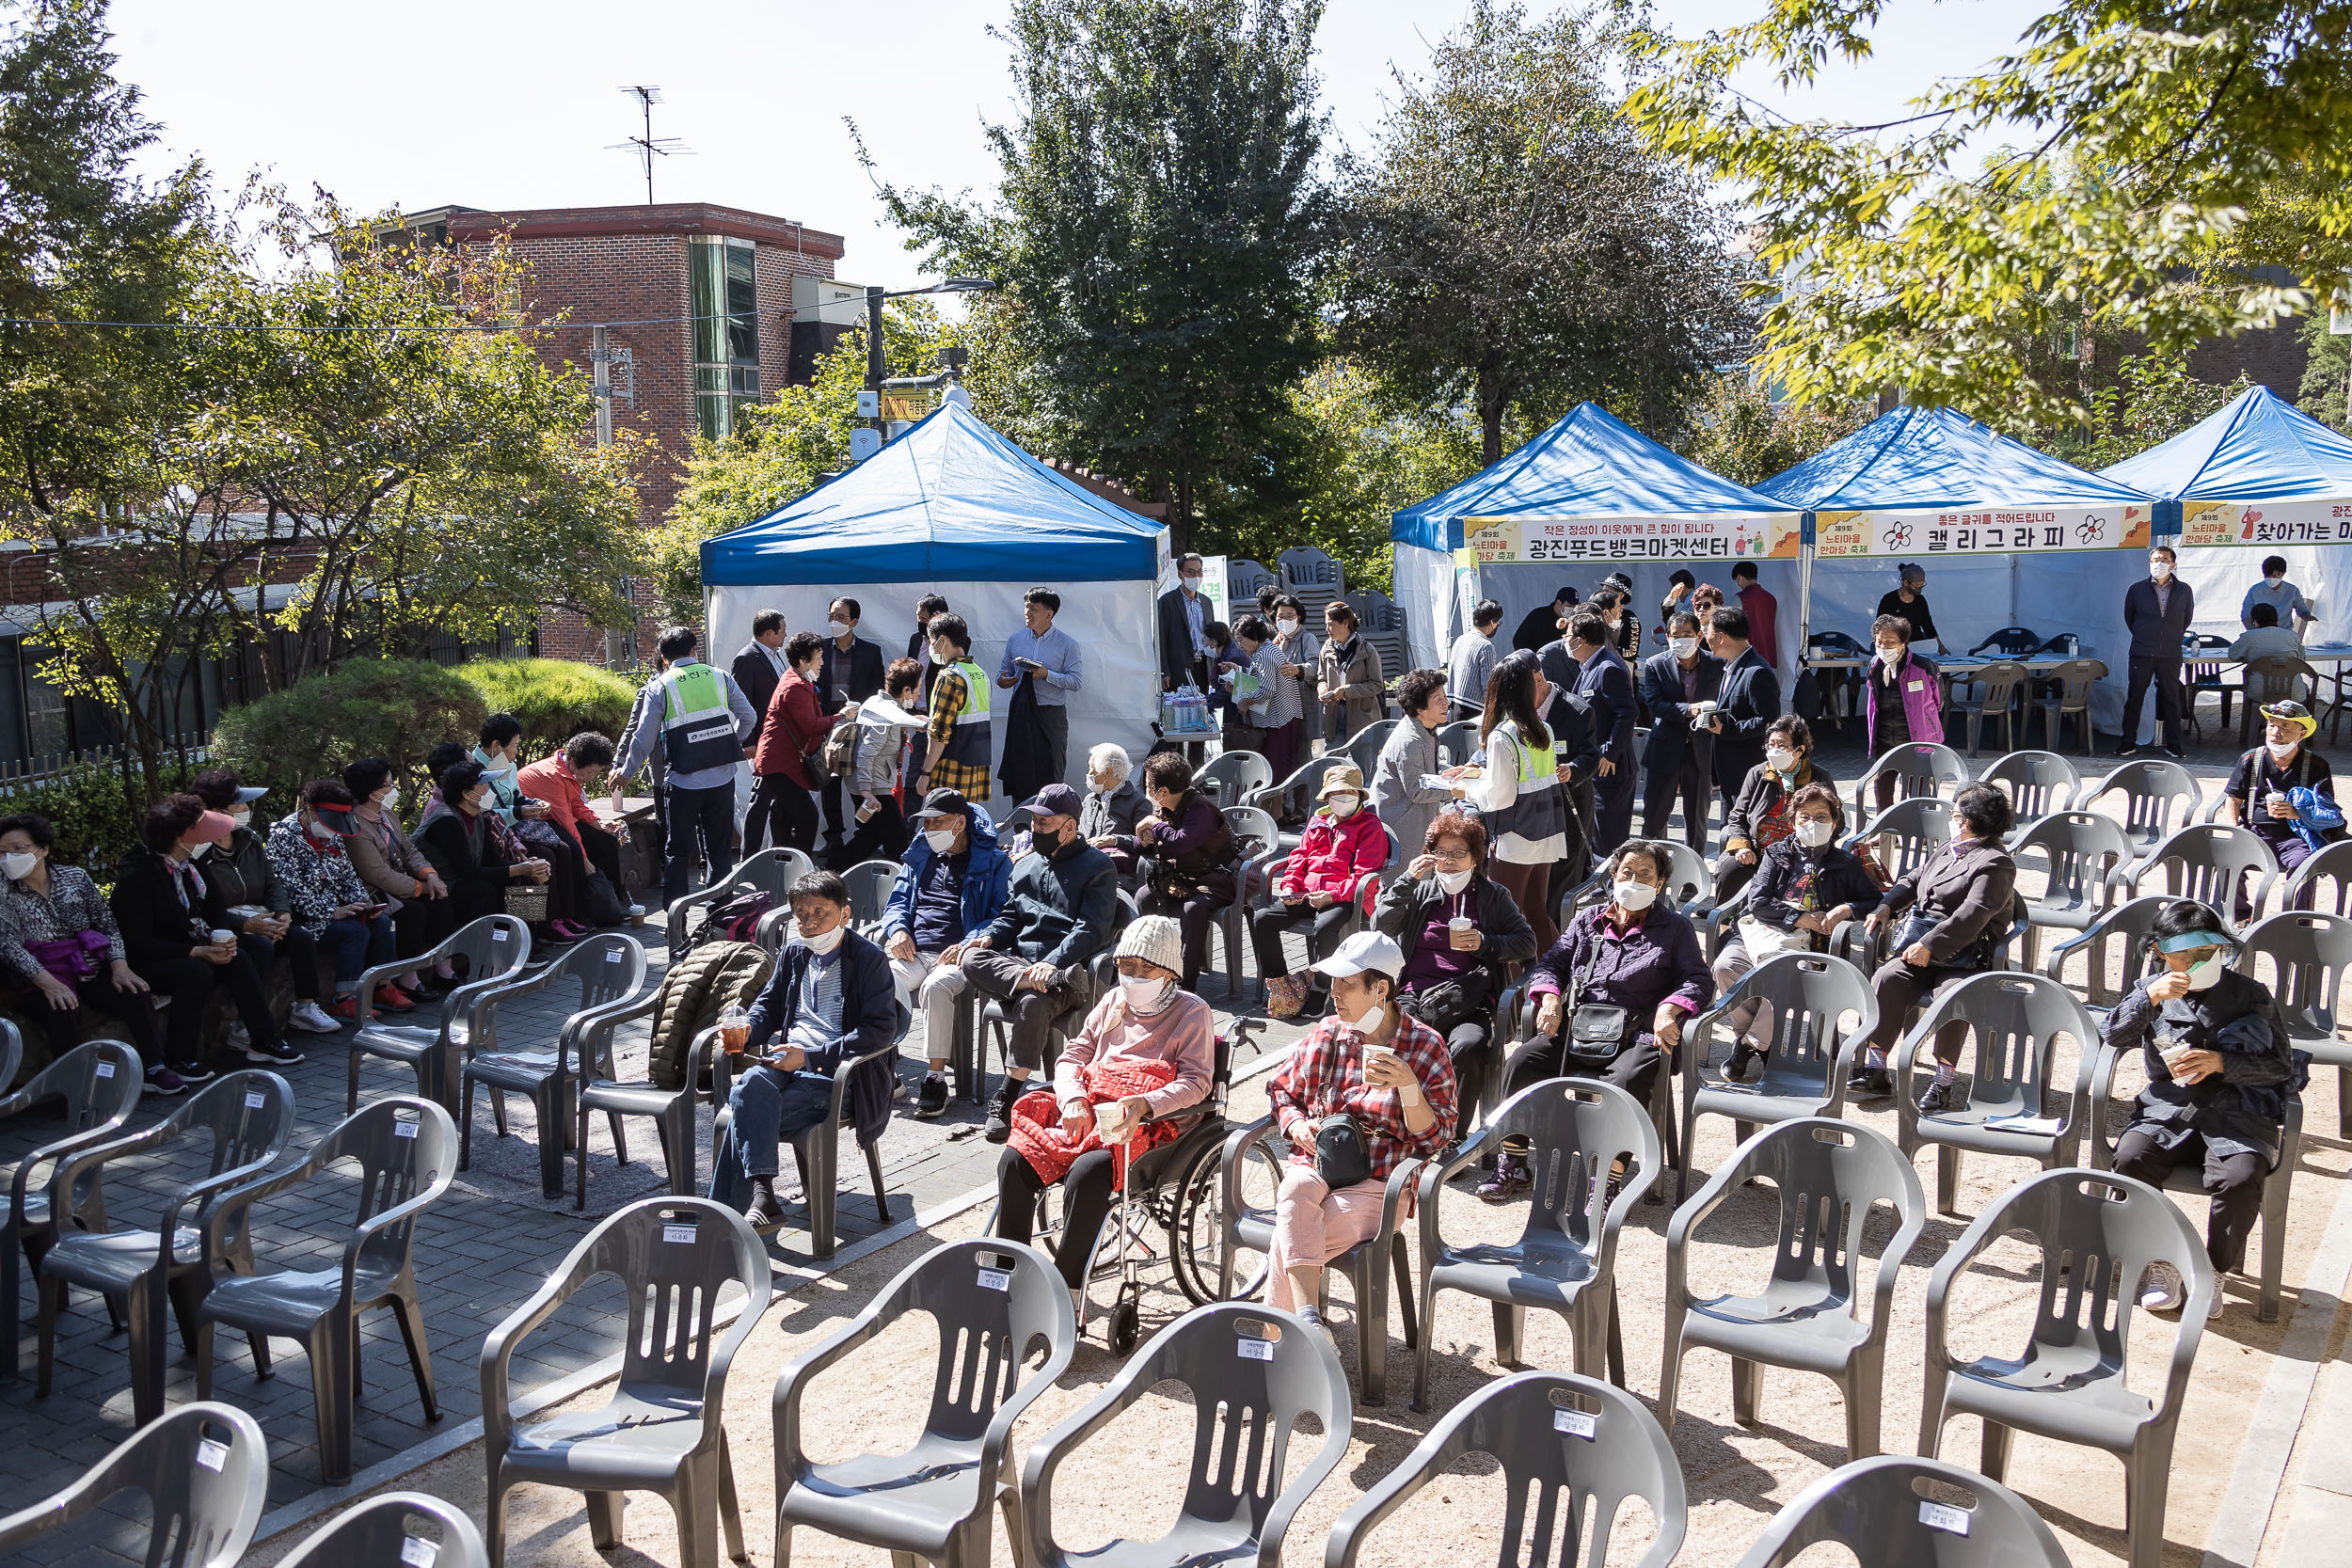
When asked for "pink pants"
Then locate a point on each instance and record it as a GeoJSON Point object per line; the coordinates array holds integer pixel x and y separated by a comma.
{"type": "Point", "coordinates": [1314, 1224]}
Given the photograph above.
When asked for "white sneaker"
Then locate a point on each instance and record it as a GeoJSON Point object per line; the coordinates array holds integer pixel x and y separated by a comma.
{"type": "Point", "coordinates": [238, 1037]}
{"type": "Point", "coordinates": [2163, 1291]}
{"type": "Point", "coordinates": [312, 1017]}
{"type": "Point", "coordinates": [2219, 1301]}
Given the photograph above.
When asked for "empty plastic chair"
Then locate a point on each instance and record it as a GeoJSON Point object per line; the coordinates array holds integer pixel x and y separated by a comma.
{"type": "Point", "coordinates": [2329, 868]}
{"type": "Point", "coordinates": [1809, 1050]}
{"type": "Point", "coordinates": [1903, 1512]}
{"type": "Point", "coordinates": [1249, 1369]}
{"type": "Point", "coordinates": [2157, 798]}
{"type": "Point", "coordinates": [2016, 1020]}
{"type": "Point", "coordinates": [602, 1091]}
{"type": "Point", "coordinates": [607, 968]}
{"type": "Point", "coordinates": [869, 883]}
{"type": "Point", "coordinates": [1566, 1260]}
{"type": "Point", "coordinates": [2098, 1233]}
{"type": "Point", "coordinates": [205, 1471]}
{"type": "Point", "coordinates": [995, 1303]}
{"type": "Point", "coordinates": [2072, 680]}
{"type": "Point", "coordinates": [2117, 944]}
{"type": "Point", "coordinates": [1906, 834]}
{"type": "Point", "coordinates": [660, 1429]}
{"type": "Point", "coordinates": [495, 948]}
{"type": "Point", "coordinates": [1256, 853]}
{"type": "Point", "coordinates": [1830, 1176]}
{"type": "Point", "coordinates": [406, 1150]}
{"type": "Point", "coordinates": [2083, 855]}
{"type": "Point", "coordinates": [98, 1084]}
{"type": "Point", "coordinates": [2309, 957]}
{"type": "Point", "coordinates": [1992, 693]}
{"type": "Point", "coordinates": [11, 1053]}
{"type": "Point", "coordinates": [1231, 777]}
{"type": "Point", "coordinates": [249, 1116]}
{"type": "Point", "coordinates": [1922, 769]}
{"type": "Point", "coordinates": [1458, 742]}
{"type": "Point", "coordinates": [1550, 1487]}
{"type": "Point", "coordinates": [2010, 642]}
{"type": "Point", "coordinates": [770, 872]}
{"type": "Point", "coordinates": [378, 1534]}
{"type": "Point", "coordinates": [2229, 868]}
{"type": "Point", "coordinates": [2041, 784]}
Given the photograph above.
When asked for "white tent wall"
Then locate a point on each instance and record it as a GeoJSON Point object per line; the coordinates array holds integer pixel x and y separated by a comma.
{"type": "Point", "coordinates": [2221, 574]}
{"type": "Point", "coordinates": [1116, 625]}
{"type": "Point", "coordinates": [1423, 580]}
{"type": "Point", "coordinates": [1522, 587]}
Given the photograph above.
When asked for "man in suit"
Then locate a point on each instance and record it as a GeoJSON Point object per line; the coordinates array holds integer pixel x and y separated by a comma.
{"type": "Point", "coordinates": [1567, 716]}
{"type": "Point", "coordinates": [1605, 682]}
{"type": "Point", "coordinates": [851, 671]}
{"type": "Point", "coordinates": [1747, 702]}
{"type": "Point", "coordinates": [1184, 640]}
{"type": "Point", "coordinates": [756, 669]}
{"type": "Point", "coordinates": [1678, 760]}
{"type": "Point", "coordinates": [2158, 610]}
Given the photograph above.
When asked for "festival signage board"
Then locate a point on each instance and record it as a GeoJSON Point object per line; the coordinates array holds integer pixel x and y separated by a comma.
{"type": "Point", "coordinates": [2267, 523]}
{"type": "Point", "coordinates": [1633, 537]}
{"type": "Point", "coordinates": [1981, 531]}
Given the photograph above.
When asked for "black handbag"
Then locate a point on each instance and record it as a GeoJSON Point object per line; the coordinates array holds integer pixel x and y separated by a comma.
{"type": "Point", "coordinates": [1450, 1004]}
{"type": "Point", "coordinates": [1596, 1030]}
{"type": "Point", "coordinates": [1341, 1159]}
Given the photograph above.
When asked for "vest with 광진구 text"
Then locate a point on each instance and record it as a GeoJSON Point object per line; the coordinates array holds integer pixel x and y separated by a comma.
{"type": "Point", "coordinates": [970, 740]}
{"type": "Point", "coordinates": [1540, 812]}
{"type": "Point", "coordinates": [697, 727]}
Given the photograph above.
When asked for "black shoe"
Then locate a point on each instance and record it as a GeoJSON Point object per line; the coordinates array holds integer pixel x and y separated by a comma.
{"type": "Point", "coordinates": [280, 1053]}
{"type": "Point", "coordinates": [2125, 754]}
{"type": "Point", "coordinates": [999, 1125]}
{"type": "Point", "coordinates": [1871, 1083]}
{"type": "Point", "coordinates": [1742, 1054]}
{"type": "Point", "coordinates": [194, 1072]}
{"type": "Point", "coordinates": [1940, 1098]}
{"type": "Point", "coordinates": [932, 1100]}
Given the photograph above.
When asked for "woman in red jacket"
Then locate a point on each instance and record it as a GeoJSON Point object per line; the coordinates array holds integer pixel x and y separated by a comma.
{"type": "Point", "coordinates": [794, 731]}
{"type": "Point", "coordinates": [1338, 859]}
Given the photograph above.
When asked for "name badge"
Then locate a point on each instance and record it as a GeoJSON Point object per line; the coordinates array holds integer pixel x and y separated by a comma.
{"type": "Point", "coordinates": [678, 1232]}
{"type": "Point", "coordinates": [1919, 686]}
{"type": "Point", "coordinates": [995, 1280]}
{"type": "Point", "coordinates": [209, 1454]}
{"type": "Point", "coordinates": [416, 1552]}
{"type": "Point", "coordinates": [1254, 1350]}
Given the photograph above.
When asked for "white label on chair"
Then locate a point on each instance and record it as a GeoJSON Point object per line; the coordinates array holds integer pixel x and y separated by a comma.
{"type": "Point", "coordinates": [416, 1552]}
{"type": "Point", "coordinates": [254, 1102]}
{"type": "Point", "coordinates": [1575, 1424]}
{"type": "Point", "coordinates": [678, 1232]}
{"type": "Point", "coordinates": [1255, 1350]}
{"type": "Point", "coordinates": [995, 1280]}
{"type": "Point", "coordinates": [1938, 1516]}
{"type": "Point", "coordinates": [106, 1070]}
{"type": "Point", "coordinates": [613, 956]}
{"type": "Point", "coordinates": [209, 1454]}
{"type": "Point", "coordinates": [403, 1130]}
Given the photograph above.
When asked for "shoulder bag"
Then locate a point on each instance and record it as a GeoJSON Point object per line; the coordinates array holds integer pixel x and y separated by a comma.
{"type": "Point", "coordinates": [1596, 1030]}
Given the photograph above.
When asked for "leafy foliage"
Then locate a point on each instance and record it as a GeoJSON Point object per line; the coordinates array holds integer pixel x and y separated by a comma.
{"type": "Point", "coordinates": [1367, 452]}
{"type": "Point", "coordinates": [393, 708]}
{"type": "Point", "coordinates": [1742, 435]}
{"type": "Point", "coordinates": [2326, 389]}
{"type": "Point", "coordinates": [97, 823]}
{"type": "Point", "coordinates": [554, 698]}
{"type": "Point", "coordinates": [2152, 400]}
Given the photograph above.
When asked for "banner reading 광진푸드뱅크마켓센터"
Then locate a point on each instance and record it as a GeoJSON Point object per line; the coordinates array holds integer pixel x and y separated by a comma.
{"type": "Point", "coordinates": [1633, 537]}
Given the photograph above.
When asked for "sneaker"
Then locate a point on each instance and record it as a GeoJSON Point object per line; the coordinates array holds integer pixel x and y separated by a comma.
{"type": "Point", "coordinates": [279, 1052]}
{"type": "Point", "coordinates": [1284, 995]}
{"type": "Point", "coordinates": [346, 1008]}
{"type": "Point", "coordinates": [1939, 1098]}
{"type": "Point", "coordinates": [238, 1038]}
{"type": "Point", "coordinates": [162, 1080]}
{"type": "Point", "coordinates": [2163, 1290]}
{"type": "Point", "coordinates": [932, 1100]}
{"type": "Point", "coordinates": [1871, 1083]}
{"type": "Point", "coordinates": [1508, 1182]}
{"type": "Point", "coordinates": [2218, 1303]}
{"type": "Point", "coordinates": [194, 1072]}
{"type": "Point", "coordinates": [2125, 754]}
{"type": "Point", "coordinates": [1312, 1318]}
{"type": "Point", "coordinates": [311, 1018]}
{"type": "Point", "coordinates": [999, 1125]}
{"type": "Point", "coordinates": [1742, 1053]}
{"type": "Point", "coordinates": [392, 999]}
{"type": "Point", "coordinates": [2174, 755]}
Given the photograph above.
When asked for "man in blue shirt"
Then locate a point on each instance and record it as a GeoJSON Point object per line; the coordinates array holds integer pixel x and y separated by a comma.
{"type": "Point", "coordinates": [2293, 610]}
{"type": "Point", "coordinates": [1040, 667]}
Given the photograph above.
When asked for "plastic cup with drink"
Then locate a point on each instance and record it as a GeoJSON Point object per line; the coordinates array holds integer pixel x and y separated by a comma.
{"type": "Point", "coordinates": [735, 1031]}
{"type": "Point", "coordinates": [1462, 933]}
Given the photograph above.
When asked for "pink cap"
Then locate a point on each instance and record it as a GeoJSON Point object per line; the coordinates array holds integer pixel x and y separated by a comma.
{"type": "Point", "coordinates": [212, 827]}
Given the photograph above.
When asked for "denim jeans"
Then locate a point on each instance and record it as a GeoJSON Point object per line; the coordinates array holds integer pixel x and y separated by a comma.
{"type": "Point", "coordinates": [358, 945]}
{"type": "Point", "coordinates": [768, 1107]}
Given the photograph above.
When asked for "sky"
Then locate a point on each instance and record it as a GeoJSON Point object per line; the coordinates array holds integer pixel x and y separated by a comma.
{"type": "Point", "coordinates": [507, 104]}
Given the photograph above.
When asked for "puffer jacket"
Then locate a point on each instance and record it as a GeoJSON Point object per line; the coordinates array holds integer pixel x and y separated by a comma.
{"type": "Point", "coordinates": [317, 879]}
{"type": "Point", "coordinates": [1342, 858]}
{"type": "Point", "coordinates": [238, 870]}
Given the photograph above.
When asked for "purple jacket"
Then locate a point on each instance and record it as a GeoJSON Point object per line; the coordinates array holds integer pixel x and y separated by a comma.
{"type": "Point", "coordinates": [1658, 960]}
{"type": "Point", "coordinates": [1923, 700]}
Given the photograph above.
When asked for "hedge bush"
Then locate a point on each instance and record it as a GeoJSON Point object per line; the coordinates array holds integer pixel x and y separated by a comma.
{"type": "Point", "coordinates": [95, 823]}
{"type": "Point", "coordinates": [394, 708]}
{"type": "Point", "coordinates": [555, 698]}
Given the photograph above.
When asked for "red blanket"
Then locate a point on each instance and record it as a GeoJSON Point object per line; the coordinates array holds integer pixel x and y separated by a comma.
{"type": "Point", "coordinates": [1037, 1131]}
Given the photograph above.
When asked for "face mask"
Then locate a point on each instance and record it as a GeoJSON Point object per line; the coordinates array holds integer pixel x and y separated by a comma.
{"type": "Point", "coordinates": [196, 852]}
{"type": "Point", "coordinates": [1891, 657]}
{"type": "Point", "coordinates": [501, 765]}
{"type": "Point", "coordinates": [1286, 627]}
{"type": "Point", "coordinates": [1636, 897]}
{"type": "Point", "coordinates": [1045, 843]}
{"type": "Point", "coordinates": [2205, 974]}
{"type": "Point", "coordinates": [826, 944]}
{"type": "Point", "coordinates": [1780, 760]}
{"type": "Point", "coordinates": [391, 799]}
{"type": "Point", "coordinates": [1192, 585]}
{"type": "Point", "coordinates": [324, 833]}
{"type": "Point", "coordinates": [2273, 581]}
{"type": "Point", "coordinates": [1147, 997]}
{"type": "Point", "coordinates": [476, 803]}
{"type": "Point", "coordinates": [1369, 1023]}
{"type": "Point", "coordinates": [243, 818]}
{"type": "Point", "coordinates": [1343, 806]}
{"type": "Point", "coordinates": [839, 629]}
{"type": "Point", "coordinates": [2281, 753]}
{"type": "Point", "coordinates": [941, 840]}
{"type": "Point", "coordinates": [2159, 569]}
{"type": "Point", "coordinates": [1813, 834]}
{"type": "Point", "coordinates": [1683, 646]}
{"type": "Point", "coordinates": [19, 866]}
{"type": "Point", "coordinates": [1455, 882]}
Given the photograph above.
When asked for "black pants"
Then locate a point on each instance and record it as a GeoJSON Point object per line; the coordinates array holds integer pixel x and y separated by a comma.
{"type": "Point", "coordinates": [699, 819]}
{"type": "Point", "coordinates": [603, 852]}
{"type": "Point", "coordinates": [1195, 917]}
{"type": "Point", "coordinates": [1901, 987]}
{"type": "Point", "coordinates": [836, 826]}
{"type": "Point", "coordinates": [302, 957]}
{"type": "Point", "coordinates": [1085, 1201]}
{"type": "Point", "coordinates": [135, 1011]}
{"type": "Point", "coordinates": [1612, 808]}
{"type": "Point", "coordinates": [1731, 876]}
{"type": "Point", "coordinates": [883, 836]}
{"type": "Point", "coordinates": [2235, 1181]}
{"type": "Point", "coordinates": [189, 982]}
{"type": "Point", "coordinates": [421, 925]}
{"type": "Point", "coordinates": [2166, 672]}
{"type": "Point", "coordinates": [567, 877]}
{"type": "Point", "coordinates": [1268, 921]}
{"type": "Point", "coordinates": [998, 974]}
{"type": "Point", "coordinates": [1477, 1065]}
{"type": "Point", "coordinates": [1691, 784]}
{"type": "Point", "coordinates": [1633, 1069]}
{"type": "Point", "coordinates": [788, 812]}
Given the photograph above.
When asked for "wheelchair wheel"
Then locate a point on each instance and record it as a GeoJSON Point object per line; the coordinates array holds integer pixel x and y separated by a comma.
{"type": "Point", "coordinates": [1126, 1325]}
{"type": "Point", "coordinates": [1195, 1227]}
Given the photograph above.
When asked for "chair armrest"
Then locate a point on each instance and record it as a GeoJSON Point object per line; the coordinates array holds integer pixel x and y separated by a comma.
{"type": "Point", "coordinates": [498, 1350]}
{"type": "Point", "coordinates": [2101, 1153]}
{"type": "Point", "coordinates": [1891, 1261]}
{"type": "Point", "coordinates": [793, 1385]}
{"type": "Point", "coordinates": [593, 1028]}
{"type": "Point", "coordinates": [197, 1193]}
{"type": "Point", "coordinates": [1398, 1188]}
{"type": "Point", "coordinates": [239, 1202]}
{"type": "Point", "coordinates": [1046, 1454]}
{"type": "Point", "coordinates": [89, 1158]}
{"type": "Point", "coordinates": [1435, 1172]}
{"type": "Point", "coordinates": [1237, 1143]}
{"type": "Point", "coordinates": [1435, 1452]}
{"type": "Point", "coordinates": [848, 1070]}
{"type": "Point", "coordinates": [1979, 1235]}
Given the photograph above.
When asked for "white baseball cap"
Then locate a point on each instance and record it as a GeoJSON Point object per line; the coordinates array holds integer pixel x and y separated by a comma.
{"type": "Point", "coordinates": [1365, 950]}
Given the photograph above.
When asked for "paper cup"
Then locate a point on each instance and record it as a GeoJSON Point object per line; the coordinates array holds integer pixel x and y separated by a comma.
{"type": "Point", "coordinates": [219, 936]}
{"type": "Point", "coordinates": [1463, 932]}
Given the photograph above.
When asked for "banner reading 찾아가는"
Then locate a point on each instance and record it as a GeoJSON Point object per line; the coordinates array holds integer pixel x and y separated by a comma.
{"type": "Point", "coordinates": [2289, 522]}
{"type": "Point", "coordinates": [1980, 530]}
{"type": "Point", "coordinates": [1736, 536]}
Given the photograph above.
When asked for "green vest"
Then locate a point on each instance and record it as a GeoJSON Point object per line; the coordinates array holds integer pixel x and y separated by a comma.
{"type": "Point", "coordinates": [698, 730]}
{"type": "Point", "coordinates": [969, 745]}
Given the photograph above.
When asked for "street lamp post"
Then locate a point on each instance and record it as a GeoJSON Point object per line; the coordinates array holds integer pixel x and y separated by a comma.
{"type": "Point", "coordinates": [877, 363]}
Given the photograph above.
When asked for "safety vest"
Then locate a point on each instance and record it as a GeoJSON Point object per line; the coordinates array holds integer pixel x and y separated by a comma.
{"type": "Point", "coordinates": [698, 730]}
{"type": "Point", "coordinates": [1541, 811]}
{"type": "Point", "coordinates": [970, 743]}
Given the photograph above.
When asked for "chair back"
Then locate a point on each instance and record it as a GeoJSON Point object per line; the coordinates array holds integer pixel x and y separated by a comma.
{"type": "Point", "coordinates": [1313, 578]}
{"type": "Point", "coordinates": [2075, 679]}
{"type": "Point", "coordinates": [1364, 747]}
{"type": "Point", "coordinates": [1576, 1128]}
{"type": "Point", "coordinates": [1231, 777]}
{"type": "Point", "coordinates": [381, 1533]}
{"type": "Point", "coordinates": [2211, 861]}
{"type": "Point", "coordinates": [204, 1469]}
{"type": "Point", "coordinates": [607, 966]}
{"type": "Point", "coordinates": [1458, 741]}
{"type": "Point", "coordinates": [1690, 881]}
{"type": "Point", "coordinates": [2016, 1020]}
{"type": "Point", "coordinates": [2275, 677]}
{"type": "Point", "coordinates": [2012, 641]}
{"type": "Point", "coordinates": [2041, 784]}
{"type": "Point", "coordinates": [1552, 1486]}
{"type": "Point", "coordinates": [870, 882]}
{"type": "Point", "coordinates": [1896, 1512]}
{"type": "Point", "coordinates": [1829, 1175]}
{"type": "Point", "coordinates": [1812, 994]}
{"type": "Point", "coordinates": [11, 1053]}
{"type": "Point", "coordinates": [494, 947]}
{"type": "Point", "coordinates": [1922, 768]}
{"type": "Point", "coordinates": [671, 1255]}
{"type": "Point", "coordinates": [98, 1081]}
{"type": "Point", "coordinates": [1908, 833]}
{"type": "Point", "coordinates": [772, 872]}
{"type": "Point", "coordinates": [2065, 644]}
{"type": "Point", "coordinates": [2132, 922]}
{"type": "Point", "coordinates": [1837, 643]}
{"type": "Point", "coordinates": [996, 1305]}
{"type": "Point", "coordinates": [407, 1149]}
{"type": "Point", "coordinates": [2158, 797]}
{"type": "Point", "coordinates": [2333, 863]}
{"type": "Point", "coordinates": [2309, 956]}
{"type": "Point", "coordinates": [2084, 852]}
{"type": "Point", "coordinates": [249, 1113]}
{"type": "Point", "coordinates": [1255, 832]}
{"type": "Point", "coordinates": [1999, 681]}
{"type": "Point", "coordinates": [1242, 579]}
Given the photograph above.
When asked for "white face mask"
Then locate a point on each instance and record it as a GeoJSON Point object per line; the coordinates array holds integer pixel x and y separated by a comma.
{"type": "Point", "coordinates": [2281, 752]}
{"type": "Point", "coordinates": [826, 944]}
{"type": "Point", "coordinates": [1286, 627]}
{"type": "Point", "coordinates": [1636, 897]}
{"type": "Point", "coordinates": [391, 799]}
{"type": "Point", "coordinates": [196, 852]}
{"type": "Point", "coordinates": [1192, 585]}
{"type": "Point", "coordinates": [1369, 1023]}
{"type": "Point", "coordinates": [1343, 806]}
{"type": "Point", "coordinates": [324, 833]}
{"type": "Point", "coordinates": [19, 866]}
{"type": "Point", "coordinates": [1780, 760]}
{"type": "Point", "coordinates": [501, 765]}
{"type": "Point", "coordinates": [1147, 997]}
{"type": "Point", "coordinates": [1684, 647]}
{"type": "Point", "coordinates": [2159, 569]}
{"type": "Point", "coordinates": [839, 629]}
{"type": "Point", "coordinates": [941, 840]}
{"type": "Point", "coordinates": [1813, 833]}
{"type": "Point", "coordinates": [2206, 974]}
{"type": "Point", "coordinates": [1891, 657]}
{"type": "Point", "coordinates": [1455, 882]}
{"type": "Point", "coordinates": [2273, 581]}
{"type": "Point", "coordinates": [242, 817]}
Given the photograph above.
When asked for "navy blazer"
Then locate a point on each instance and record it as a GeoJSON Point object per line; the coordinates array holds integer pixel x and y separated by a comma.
{"type": "Point", "coordinates": [1662, 700]}
{"type": "Point", "coordinates": [2156, 634]}
{"type": "Point", "coordinates": [869, 1020]}
{"type": "Point", "coordinates": [1606, 684]}
{"type": "Point", "coordinates": [1750, 699]}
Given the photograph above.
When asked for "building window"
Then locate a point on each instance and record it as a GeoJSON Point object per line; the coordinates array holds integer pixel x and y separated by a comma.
{"type": "Point", "coordinates": [724, 293]}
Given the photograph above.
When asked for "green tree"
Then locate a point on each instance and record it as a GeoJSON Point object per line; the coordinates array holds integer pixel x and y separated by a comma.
{"type": "Point", "coordinates": [2326, 393]}
{"type": "Point", "coordinates": [2163, 157]}
{"type": "Point", "coordinates": [1367, 452]}
{"type": "Point", "coordinates": [1156, 227]}
{"type": "Point", "coordinates": [2153, 399]}
{"type": "Point", "coordinates": [1741, 434]}
{"type": "Point", "coordinates": [1511, 245]}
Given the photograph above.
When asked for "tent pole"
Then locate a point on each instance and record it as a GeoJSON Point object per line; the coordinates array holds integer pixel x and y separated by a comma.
{"type": "Point", "coordinates": [1804, 587]}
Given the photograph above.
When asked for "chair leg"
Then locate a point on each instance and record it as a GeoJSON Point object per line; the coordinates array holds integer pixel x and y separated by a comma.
{"type": "Point", "coordinates": [498, 1107]}
{"type": "Point", "coordinates": [465, 1126]}
{"type": "Point", "coordinates": [1371, 1324]}
{"type": "Point", "coordinates": [494, 1520]}
{"type": "Point", "coordinates": [332, 1340]}
{"type": "Point", "coordinates": [730, 1514]}
{"type": "Point", "coordinates": [1616, 1340]}
{"type": "Point", "coordinates": [677, 1127]}
{"type": "Point", "coordinates": [694, 1501]}
{"type": "Point", "coordinates": [351, 1080]}
{"type": "Point", "coordinates": [146, 1311]}
{"type": "Point", "coordinates": [412, 1315]}
{"type": "Point", "coordinates": [2146, 1482]}
{"type": "Point", "coordinates": [51, 1292]}
{"type": "Point", "coordinates": [550, 1115]}
{"type": "Point", "coordinates": [873, 1169]}
{"type": "Point", "coordinates": [1863, 1386]}
{"type": "Point", "coordinates": [1670, 1370]}
{"type": "Point", "coordinates": [604, 1520]}
{"type": "Point", "coordinates": [1994, 1457]}
{"type": "Point", "coordinates": [615, 1122]}
{"type": "Point", "coordinates": [1747, 1390]}
{"type": "Point", "coordinates": [1509, 1322]}
{"type": "Point", "coordinates": [1404, 1292]}
{"type": "Point", "coordinates": [2274, 1242]}
{"type": "Point", "coordinates": [1947, 1179]}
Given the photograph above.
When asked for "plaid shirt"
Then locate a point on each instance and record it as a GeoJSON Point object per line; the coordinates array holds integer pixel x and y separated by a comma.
{"type": "Point", "coordinates": [971, 778]}
{"type": "Point", "coordinates": [74, 905]}
{"type": "Point", "coordinates": [1325, 1076]}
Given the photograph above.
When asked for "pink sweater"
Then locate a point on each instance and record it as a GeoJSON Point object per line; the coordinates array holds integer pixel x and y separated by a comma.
{"type": "Point", "coordinates": [1181, 1035]}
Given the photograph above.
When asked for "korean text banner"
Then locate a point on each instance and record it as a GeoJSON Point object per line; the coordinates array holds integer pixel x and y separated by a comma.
{"type": "Point", "coordinates": [1633, 536]}
{"type": "Point", "coordinates": [1980, 531]}
{"type": "Point", "coordinates": [2284, 522]}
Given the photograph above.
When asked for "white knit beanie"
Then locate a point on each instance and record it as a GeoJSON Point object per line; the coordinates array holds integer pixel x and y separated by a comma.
{"type": "Point", "coordinates": [1156, 940]}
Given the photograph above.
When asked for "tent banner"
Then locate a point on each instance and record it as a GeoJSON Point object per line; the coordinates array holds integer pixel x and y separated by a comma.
{"type": "Point", "coordinates": [1633, 536]}
{"type": "Point", "coordinates": [1980, 530]}
{"type": "Point", "coordinates": [2288, 522]}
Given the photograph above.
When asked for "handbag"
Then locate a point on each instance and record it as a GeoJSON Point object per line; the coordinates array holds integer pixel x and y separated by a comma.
{"type": "Point", "coordinates": [1450, 1004]}
{"type": "Point", "coordinates": [71, 960]}
{"type": "Point", "coordinates": [1769, 941]}
{"type": "Point", "coordinates": [1596, 1030]}
{"type": "Point", "coordinates": [1341, 1158]}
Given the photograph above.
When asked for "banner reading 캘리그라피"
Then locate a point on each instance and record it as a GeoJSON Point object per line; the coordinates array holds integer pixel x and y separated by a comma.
{"type": "Point", "coordinates": [1636, 537]}
{"type": "Point", "coordinates": [1980, 531]}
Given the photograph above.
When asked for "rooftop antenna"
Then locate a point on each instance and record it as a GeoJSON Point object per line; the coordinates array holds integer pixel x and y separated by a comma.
{"type": "Point", "coordinates": [648, 147]}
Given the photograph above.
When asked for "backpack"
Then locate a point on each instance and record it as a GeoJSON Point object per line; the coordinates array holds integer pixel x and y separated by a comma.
{"type": "Point", "coordinates": [837, 757]}
{"type": "Point", "coordinates": [694, 992]}
{"type": "Point", "coordinates": [736, 919]}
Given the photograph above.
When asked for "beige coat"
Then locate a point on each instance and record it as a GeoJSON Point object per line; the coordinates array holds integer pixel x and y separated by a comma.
{"type": "Point", "coordinates": [1357, 684]}
{"type": "Point", "coordinates": [392, 870]}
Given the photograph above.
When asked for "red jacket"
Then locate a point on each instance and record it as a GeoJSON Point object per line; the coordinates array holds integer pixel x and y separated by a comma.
{"type": "Point", "coordinates": [1339, 858]}
{"type": "Point", "coordinates": [551, 779]}
{"type": "Point", "coordinates": [794, 731]}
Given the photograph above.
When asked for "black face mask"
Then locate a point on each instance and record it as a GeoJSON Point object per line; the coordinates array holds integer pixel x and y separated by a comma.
{"type": "Point", "coordinates": [1045, 843]}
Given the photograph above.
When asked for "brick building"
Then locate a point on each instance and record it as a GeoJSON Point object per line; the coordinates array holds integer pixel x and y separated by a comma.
{"type": "Point", "coordinates": [725, 308]}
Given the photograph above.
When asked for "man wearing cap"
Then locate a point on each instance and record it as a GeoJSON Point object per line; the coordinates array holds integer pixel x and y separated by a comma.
{"type": "Point", "coordinates": [2260, 786]}
{"type": "Point", "coordinates": [1545, 622]}
{"type": "Point", "coordinates": [260, 910]}
{"type": "Point", "coordinates": [703, 725]}
{"type": "Point", "coordinates": [1059, 911]}
{"type": "Point", "coordinates": [951, 883]}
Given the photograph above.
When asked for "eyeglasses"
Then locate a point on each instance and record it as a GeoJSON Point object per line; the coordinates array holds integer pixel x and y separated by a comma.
{"type": "Point", "coordinates": [1450, 857]}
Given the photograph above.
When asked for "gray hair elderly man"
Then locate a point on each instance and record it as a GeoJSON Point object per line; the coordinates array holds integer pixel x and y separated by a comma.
{"type": "Point", "coordinates": [1112, 805]}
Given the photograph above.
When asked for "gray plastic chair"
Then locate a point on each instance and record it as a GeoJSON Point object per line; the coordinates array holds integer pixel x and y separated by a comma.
{"type": "Point", "coordinates": [1257, 851]}
{"type": "Point", "coordinates": [609, 968]}
{"type": "Point", "coordinates": [2086, 854]}
{"type": "Point", "coordinates": [659, 1431]}
{"type": "Point", "coordinates": [2015, 1019]}
{"type": "Point", "coordinates": [1565, 1260]}
{"type": "Point", "coordinates": [205, 1471]}
{"type": "Point", "coordinates": [2212, 864]}
{"type": "Point", "coordinates": [1231, 777]}
{"type": "Point", "coordinates": [1367, 1264]}
{"type": "Point", "coordinates": [1906, 835]}
{"type": "Point", "coordinates": [378, 1534]}
{"type": "Point", "coordinates": [495, 948]}
{"type": "Point", "coordinates": [869, 883]}
{"type": "Point", "coordinates": [1807, 1056]}
{"type": "Point", "coordinates": [2041, 784]}
{"type": "Point", "coordinates": [2158, 798]}
{"type": "Point", "coordinates": [1364, 747]}
{"type": "Point", "coordinates": [2098, 1233]}
{"type": "Point", "coordinates": [1458, 741]}
{"type": "Point", "coordinates": [406, 1150]}
{"type": "Point", "coordinates": [1830, 1176]}
{"type": "Point", "coordinates": [11, 1053]}
{"type": "Point", "coordinates": [1551, 1487]}
{"type": "Point", "coordinates": [994, 1303]}
{"type": "Point", "coordinates": [1992, 693]}
{"type": "Point", "coordinates": [2310, 957]}
{"type": "Point", "coordinates": [1305, 781]}
{"type": "Point", "coordinates": [1885, 1511]}
{"type": "Point", "coordinates": [2130, 927]}
{"type": "Point", "coordinates": [250, 1115]}
{"type": "Point", "coordinates": [603, 1092]}
{"type": "Point", "coordinates": [99, 1083]}
{"type": "Point", "coordinates": [772, 872]}
{"type": "Point", "coordinates": [2073, 680]}
{"type": "Point", "coordinates": [2334, 862]}
{"type": "Point", "coordinates": [1922, 769]}
{"type": "Point", "coordinates": [1231, 1512]}
{"type": "Point", "coordinates": [1690, 886]}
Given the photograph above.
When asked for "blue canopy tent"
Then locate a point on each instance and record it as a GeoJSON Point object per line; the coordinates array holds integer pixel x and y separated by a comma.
{"type": "Point", "coordinates": [1588, 496]}
{"type": "Point", "coordinates": [2254, 479]}
{"type": "Point", "coordinates": [2007, 535]}
{"type": "Point", "coordinates": [952, 507]}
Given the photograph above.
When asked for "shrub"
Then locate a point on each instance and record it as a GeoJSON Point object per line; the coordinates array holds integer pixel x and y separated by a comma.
{"type": "Point", "coordinates": [96, 826]}
{"type": "Point", "coordinates": [395, 708]}
{"type": "Point", "coordinates": [554, 698]}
